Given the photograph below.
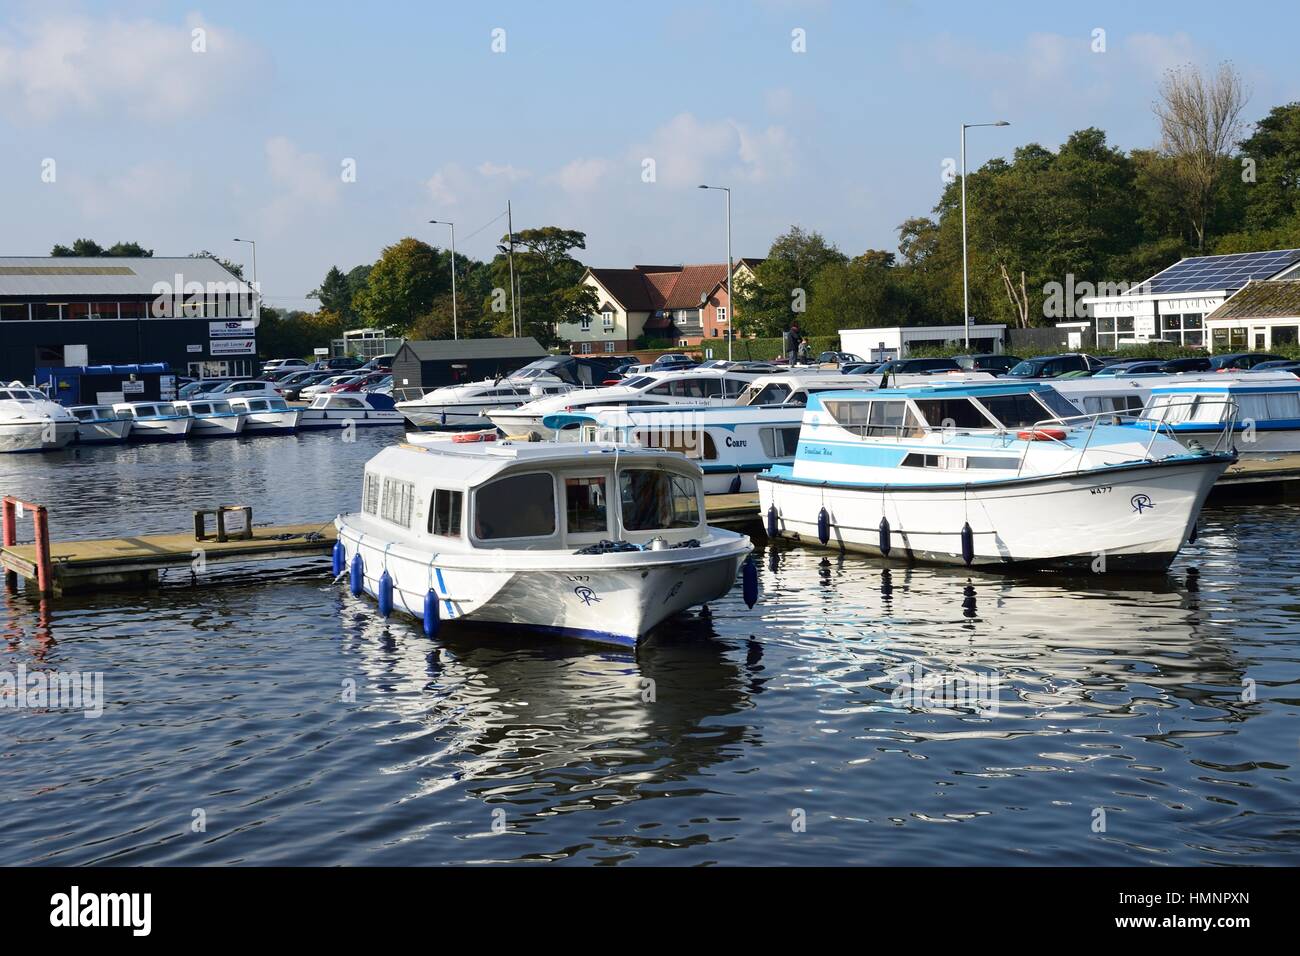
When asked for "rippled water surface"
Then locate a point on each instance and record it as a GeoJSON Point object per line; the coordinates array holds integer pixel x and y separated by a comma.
{"type": "Point", "coordinates": [1146, 721]}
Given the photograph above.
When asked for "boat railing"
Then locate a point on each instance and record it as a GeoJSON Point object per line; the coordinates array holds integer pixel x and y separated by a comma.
{"type": "Point", "coordinates": [1090, 421]}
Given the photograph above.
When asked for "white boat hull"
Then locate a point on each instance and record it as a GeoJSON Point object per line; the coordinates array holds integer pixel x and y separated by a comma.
{"type": "Point", "coordinates": [103, 433]}
{"type": "Point", "coordinates": [315, 418]}
{"type": "Point", "coordinates": [217, 426]}
{"type": "Point", "coordinates": [449, 416]}
{"type": "Point", "coordinates": [1133, 517]}
{"type": "Point", "coordinates": [163, 429]}
{"type": "Point", "coordinates": [272, 423]}
{"type": "Point", "coordinates": [36, 435]}
{"type": "Point", "coordinates": [611, 598]}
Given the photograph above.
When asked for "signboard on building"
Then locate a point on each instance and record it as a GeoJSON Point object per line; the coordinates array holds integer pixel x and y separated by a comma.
{"type": "Point", "coordinates": [194, 348]}
{"type": "Point", "coordinates": [232, 328]}
{"type": "Point", "coordinates": [1144, 326]}
{"type": "Point", "coordinates": [232, 346]}
{"type": "Point", "coordinates": [133, 388]}
{"type": "Point", "coordinates": [320, 351]}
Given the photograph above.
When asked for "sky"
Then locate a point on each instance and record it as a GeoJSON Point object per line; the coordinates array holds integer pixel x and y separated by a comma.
{"type": "Point", "coordinates": [328, 130]}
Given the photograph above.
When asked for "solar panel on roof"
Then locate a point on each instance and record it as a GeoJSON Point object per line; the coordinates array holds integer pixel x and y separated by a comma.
{"type": "Point", "coordinates": [1213, 273]}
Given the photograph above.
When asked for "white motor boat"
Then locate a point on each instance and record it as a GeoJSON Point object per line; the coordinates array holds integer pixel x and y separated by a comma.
{"type": "Point", "coordinates": [466, 406]}
{"type": "Point", "coordinates": [98, 425]}
{"type": "Point", "coordinates": [690, 387]}
{"type": "Point", "coordinates": [30, 421]}
{"type": "Point", "coordinates": [1264, 418]}
{"type": "Point", "coordinates": [154, 421]}
{"type": "Point", "coordinates": [987, 475]}
{"type": "Point", "coordinates": [212, 418]}
{"type": "Point", "coordinates": [267, 416]}
{"type": "Point", "coordinates": [360, 409]}
{"type": "Point", "coordinates": [589, 542]}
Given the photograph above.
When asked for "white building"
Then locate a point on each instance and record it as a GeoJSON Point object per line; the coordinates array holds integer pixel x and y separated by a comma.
{"type": "Point", "coordinates": [881, 345]}
{"type": "Point", "coordinates": [1173, 304]}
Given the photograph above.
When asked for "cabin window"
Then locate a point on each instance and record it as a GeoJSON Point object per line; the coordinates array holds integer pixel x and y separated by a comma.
{"type": "Point", "coordinates": [779, 442]}
{"type": "Point", "coordinates": [878, 419]}
{"type": "Point", "coordinates": [952, 413]}
{"type": "Point", "coordinates": [732, 387]}
{"type": "Point", "coordinates": [200, 408]}
{"type": "Point", "coordinates": [1014, 411]}
{"type": "Point", "coordinates": [773, 394]}
{"type": "Point", "coordinates": [521, 506]}
{"type": "Point", "coordinates": [657, 500]}
{"type": "Point", "coordinates": [1121, 404]}
{"type": "Point", "coordinates": [691, 442]}
{"type": "Point", "coordinates": [698, 388]}
{"type": "Point", "coordinates": [395, 506]}
{"type": "Point", "coordinates": [585, 505]}
{"type": "Point", "coordinates": [370, 494]}
{"type": "Point", "coordinates": [444, 512]}
{"type": "Point", "coordinates": [1282, 404]}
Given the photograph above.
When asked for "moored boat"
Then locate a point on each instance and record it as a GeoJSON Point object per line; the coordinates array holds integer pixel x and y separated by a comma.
{"type": "Point", "coordinates": [358, 410]}
{"type": "Point", "coordinates": [154, 421]}
{"type": "Point", "coordinates": [987, 475]}
{"type": "Point", "coordinates": [565, 539]}
{"type": "Point", "coordinates": [30, 421]}
{"type": "Point", "coordinates": [212, 418]}
{"type": "Point", "coordinates": [1262, 417]}
{"type": "Point", "coordinates": [267, 416]}
{"type": "Point", "coordinates": [467, 406]}
{"type": "Point", "coordinates": [98, 425]}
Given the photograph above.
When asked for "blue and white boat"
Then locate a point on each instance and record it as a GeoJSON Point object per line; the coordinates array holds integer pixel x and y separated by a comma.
{"type": "Point", "coordinates": [212, 418]}
{"type": "Point", "coordinates": [154, 421]}
{"type": "Point", "coordinates": [267, 416]}
{"type": "Point", "coordinates": [99, 425]}
{"type": "Point", "coordinates": [361, 409]}
{"type": "Point", "coordinates": [994, 475]}
{"type": "Point", "coordinates": [1264, 419]}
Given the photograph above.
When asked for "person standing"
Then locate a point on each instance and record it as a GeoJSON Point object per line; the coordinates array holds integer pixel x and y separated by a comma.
{"type": "Point", "coordinates": [792, 343]}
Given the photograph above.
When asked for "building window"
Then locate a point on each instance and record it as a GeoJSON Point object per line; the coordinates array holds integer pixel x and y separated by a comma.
{"type": "Point", "coordinates": [13, 313]}
{"type": "Point", "coordinates": [722, 314]}
{"type": "Point", "coordinates": [609, 346]}
{"type": "Point", "coordinates": [586, 348]}
{"type": "Point", "coordinates": [586, 323]}
{"type": "Point", "coordinates": [608, 319]}
{"type": "Point", "coordinates": [715, 331]}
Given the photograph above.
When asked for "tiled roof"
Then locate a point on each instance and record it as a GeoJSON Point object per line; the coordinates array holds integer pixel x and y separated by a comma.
{"type": "Point", "coordinates": [651, 288]}
{"type": "Point", "coordinates": [1271, 298]}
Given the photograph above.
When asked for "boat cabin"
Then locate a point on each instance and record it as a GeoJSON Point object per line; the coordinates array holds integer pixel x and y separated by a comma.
{"type": "Point", "coordinates": [1184, 407]}
{"type": "Point", "coordinates": [912, 412]}
{"type": "Point", "coordinates": [260, 404]}
{"type": "Point", "coordinates": [93, 413]}
{"type": "Point", "coordinates": [530, 496]}
{"type": "Point", "coordinates": [138, 410]}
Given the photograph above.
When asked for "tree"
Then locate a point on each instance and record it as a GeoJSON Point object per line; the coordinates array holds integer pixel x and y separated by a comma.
{"type": "Point", "coordinates": [234, 267]}
{"type": "Point", "coordinates": [1199, 123]}
{"type": "Point", "coordinates": [1274, 152]}
{"type": "Point", "coordinates": [402, 285]}
{"type": "Point", "coordinates": [782, 288]}
{"type": "Point", "coordinates": [89, 248]}
{"type": "Point", "coordinates": [548, 280]}
{"type": "Point", "coordinates": [334, 292]}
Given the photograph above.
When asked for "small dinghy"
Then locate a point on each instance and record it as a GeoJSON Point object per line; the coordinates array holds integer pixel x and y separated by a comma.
{"type": "Point", "coordinates": [594, 543]}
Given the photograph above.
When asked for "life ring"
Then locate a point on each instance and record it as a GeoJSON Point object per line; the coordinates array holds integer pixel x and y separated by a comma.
{"type": "Point", "coordinates": [1042, 434]}
{"type": "Point", "coordinates": [463, 437]}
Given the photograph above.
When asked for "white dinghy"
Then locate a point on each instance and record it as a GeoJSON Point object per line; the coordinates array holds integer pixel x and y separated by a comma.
{"type": "Point", "coordinates": [595, 543]}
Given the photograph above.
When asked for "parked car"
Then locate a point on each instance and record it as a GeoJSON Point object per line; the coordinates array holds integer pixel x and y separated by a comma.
{"type": "Point", "coordinates": [1279, 365]}
{"type": "Point", "coordinates": [673, 360]}
{"type": "Point", "coordinates": [383, 387]}
{"type": "Point", "coordinates": [246, 389]}
{"type": "Point", "coordinates": [1192, 364]}
{"type": "Point", "coordinates": [359, 383]}
{"type": "Point", "coordinates": [839, 358]}
{"type": "Point", "coordinates": [308, 392]}
{"type": "Point", "coordinates": [1133, 367]}
{"type": "Point", "coordinates": [1236, 361]}
{"type": "Point", "coordinates": [1051, 366]}
{"type": "Point", "coordinates": [202, 387]}
{"type": "Point", "coordinates": [293, 387]}
{"type": "Point", "coordinates": [274, 365]}
{"type": "Point", "coordinates": [380, 363]}
{"type": "Point", "coordinates": [988, 362]}
{"type": "Point", "coordinates": [918, 366]}
{"type": "Point", "coordinates": [861, 368]}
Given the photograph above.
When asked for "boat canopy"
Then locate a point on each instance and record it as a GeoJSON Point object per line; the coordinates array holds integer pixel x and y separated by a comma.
{"type": "Point", "coordinates": [917, 409]}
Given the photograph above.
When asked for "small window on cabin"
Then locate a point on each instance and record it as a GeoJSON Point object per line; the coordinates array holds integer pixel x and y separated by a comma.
{"type": "Point", "coordinates": [779, 442]}
{"type": "Point", "coordinates": [521, 506]}
{"type": "Point", "coordinates": [657, 500]}
{"type": "Point", "coordinates": [370, 494]}
{"type": "Point", "coordinates": [1282, 405]}
{"type": "Point", "coordinates": [444, 512]}
{"type": "Point", "coordinates": [732, 387]}
{"type": "Point", "coordinates": [585, 505]}
{"type": "Point", "coordinates": [951, 413]}
{"type": "Point", "coordinates": [665, 389]}
{"type": "Point", "coordinates": [1014, 411]}
{"type": "Point", "coordinates": [773, 394]}
{"type": "Point", "coordinates": [395, 505]}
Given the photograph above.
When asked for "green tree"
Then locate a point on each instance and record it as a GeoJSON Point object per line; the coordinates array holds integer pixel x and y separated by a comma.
{"type": "Point", "coordinates": [1274, 151]}
{"type": "Point", "coordinates": [783, 283]}
{"type": "Point", "coordinates": [335, 293]}
{"type": "Point", "coordinates": [89, 248]}
{"type": "Point", "coordinates": [402, 285]}
{"type": "Point", "coordinates": [234, 267]}
{"type": "Point", "coordinates": [548, 283]}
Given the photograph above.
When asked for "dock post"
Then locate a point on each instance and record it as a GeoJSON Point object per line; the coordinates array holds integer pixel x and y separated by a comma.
{"type": "Point", "coordinates": [10, 537]}
{"type": "Point", "coordinates": [44, 574]}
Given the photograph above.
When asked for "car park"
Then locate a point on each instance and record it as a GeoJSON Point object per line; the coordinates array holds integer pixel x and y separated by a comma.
{"type": "Point", "coordinates": [989, 362]}
{"type": "Point", "coordinates": [1051, 366]}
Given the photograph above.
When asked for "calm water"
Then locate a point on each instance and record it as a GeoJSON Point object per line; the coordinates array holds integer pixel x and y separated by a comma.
{"type": "Point", "coordinates": [229, 700]}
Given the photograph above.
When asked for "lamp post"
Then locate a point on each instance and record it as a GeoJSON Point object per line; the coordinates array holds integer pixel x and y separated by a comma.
{"type": "Point", "coordinates": [731, 302]}
{"type": "Point", "coordinates": [257, 295]}
{"type": "Point", "coordinates": [455, 334]}
{"type": "Point", "coordinates": [965, 276]}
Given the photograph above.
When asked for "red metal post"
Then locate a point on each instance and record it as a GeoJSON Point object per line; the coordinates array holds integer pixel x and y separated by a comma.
{"type": "Point", "coordinates": [44, 577]}
{"type": "Point", "coordinates": [10, 532]}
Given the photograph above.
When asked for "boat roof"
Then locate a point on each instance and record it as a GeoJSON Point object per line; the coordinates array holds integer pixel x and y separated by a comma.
{"type": "Point", "coordinates": [940, 390]}
{"type": "Point", "coordinates": [473, 463]}
{"type": "Point", "coordinates": [1230, 387]}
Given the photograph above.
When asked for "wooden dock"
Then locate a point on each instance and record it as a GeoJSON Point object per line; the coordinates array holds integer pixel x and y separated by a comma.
{"type": "Point", "coordinates": [1274, 476]}
{"type": "Point", "coordinates": [135, 561]}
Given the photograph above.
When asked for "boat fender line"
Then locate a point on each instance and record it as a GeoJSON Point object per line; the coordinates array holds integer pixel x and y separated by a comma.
{"type": "Point", "coordinates": [385, 593]}
{"type": "Point", "coordinates": [885, 544]}
{"type": "Point", "coordinates": [357, 575]}
{"type": "Point", "coordinates": [340, 559]}
{"type": "Point", "coordinates": [749, 582]}
{"type": "Point", "coordinates": [735, 484]}
{"type": "Point", "coordinates": [967, 544]}
{"type": "Point", "coordinates": [823, 527]}
{"type": "Point", "coordinates": [772, 518]}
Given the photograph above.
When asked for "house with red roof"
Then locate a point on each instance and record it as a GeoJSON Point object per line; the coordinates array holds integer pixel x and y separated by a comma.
{"type": "Point", "coordinates": [685, 305]}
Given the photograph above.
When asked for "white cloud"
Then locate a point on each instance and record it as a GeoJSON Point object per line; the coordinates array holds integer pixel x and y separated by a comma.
{"type": "Point", "coordinates": [142, 68]}
{"type": "Point", "coordinates": [687, 150]}
{"type": "Point", "coordinates": [119, 196]}
{"type": "Point", "coordinates": [447, 184]}
{"type": "Point", "coordinates": [304, 183]}
{"type": "Point", "coordinates": [583, 175]}
{"type": "Point", "coordinates": [512, 174]}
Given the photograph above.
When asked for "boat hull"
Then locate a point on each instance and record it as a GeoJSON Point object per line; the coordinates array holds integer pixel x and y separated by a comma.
{"type": "Point", "coordinates": [339, 419]}
{"type": "Point", "coordinates": [163, 429]}
{"type": "Point", "coordinates": [610, 599]}
{"type": "Point", "coordinates": [111, 432]}
{"type": "Point", "coordinates": [217, 426]}
{"type": "Point", "coordinates": [272, 423]}
{"type": "Point", "coordinates": [35, 435]}
{"type": "Point", "coordinates": [1129, 517]}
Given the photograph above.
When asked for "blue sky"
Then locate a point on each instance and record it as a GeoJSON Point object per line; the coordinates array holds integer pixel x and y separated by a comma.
{"type": "Point", "coordinates": [183, 150]}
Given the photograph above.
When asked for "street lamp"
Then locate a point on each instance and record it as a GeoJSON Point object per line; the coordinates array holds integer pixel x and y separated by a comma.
{"type": "Point", "coordinates": [731, 302]}
{"type": "Point", "coordinates": [257, 298]}
{"type": "Point", "coordinates": [455, 334]}
{"type": "Point", "coordinates": [965, 279]}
